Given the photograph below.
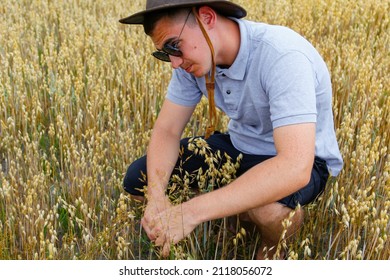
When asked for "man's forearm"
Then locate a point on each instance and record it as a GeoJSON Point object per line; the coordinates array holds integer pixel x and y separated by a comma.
{"type": "Point", "coordinates": [262, 185]}
{"type": "Point", "coordinates": [162, 155]}
{"type": "Point", "coordinates": [164, 146]}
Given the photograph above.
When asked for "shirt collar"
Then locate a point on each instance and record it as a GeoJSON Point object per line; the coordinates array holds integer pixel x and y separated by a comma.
{"type": "Point", "coordinates": [237, 70]}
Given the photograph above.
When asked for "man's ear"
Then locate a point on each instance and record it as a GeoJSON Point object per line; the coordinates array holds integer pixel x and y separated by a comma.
{"type": "Point", "coordinates": [208, 16]}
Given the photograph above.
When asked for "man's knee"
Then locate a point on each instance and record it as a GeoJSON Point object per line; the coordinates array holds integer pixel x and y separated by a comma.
{"type": "Point", "coordinates": [135, 177]}
{"type": "Point", "coordinates": [272, 215]}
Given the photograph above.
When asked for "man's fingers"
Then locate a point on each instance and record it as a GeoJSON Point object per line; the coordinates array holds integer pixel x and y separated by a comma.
{"type": "Point", "coordinates": [160, 240]}
{"type": "Point", "coordinates": [166, 249]}
{"type": "Point", "coordinates": [149, 228]}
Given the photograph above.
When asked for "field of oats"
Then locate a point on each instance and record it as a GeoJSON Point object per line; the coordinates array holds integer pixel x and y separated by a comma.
{"type": "Point", "coordinates": [79, 94]}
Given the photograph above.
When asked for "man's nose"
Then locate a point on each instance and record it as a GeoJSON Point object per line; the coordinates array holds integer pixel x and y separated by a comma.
{"type": "Point", "coordinates": [176, 61]}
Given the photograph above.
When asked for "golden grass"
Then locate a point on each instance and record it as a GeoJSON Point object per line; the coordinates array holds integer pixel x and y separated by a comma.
{"type": "Point", "coordinates": [79, 94]}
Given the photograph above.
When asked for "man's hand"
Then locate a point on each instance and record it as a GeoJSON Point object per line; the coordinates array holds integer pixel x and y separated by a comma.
{"type": "Point", "coordinates": [169, 226]}
{"type": "Point", "coordinates": [156, 205]}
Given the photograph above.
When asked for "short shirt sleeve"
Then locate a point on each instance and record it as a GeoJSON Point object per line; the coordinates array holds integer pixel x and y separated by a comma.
{"type": "Point", "coordinates": [290, 86]}
{"type": "Point", "coordinates": [183, 89]}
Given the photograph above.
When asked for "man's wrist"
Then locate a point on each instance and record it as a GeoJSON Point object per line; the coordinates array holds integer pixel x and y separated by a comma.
{"type": "Point", "coordinates": [155, 191]}
{"type": "Point", "coordinates": [194, 212]}
{"type": "Point", "coordinates": [159, 197]}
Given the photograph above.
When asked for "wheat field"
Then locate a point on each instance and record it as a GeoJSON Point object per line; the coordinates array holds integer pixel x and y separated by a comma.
{"type": "Point", "coordinates": [79, 94]}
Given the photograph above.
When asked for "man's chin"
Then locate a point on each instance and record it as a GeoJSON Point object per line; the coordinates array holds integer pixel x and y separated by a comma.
{"type": "Point", "coordinates": [199, 74]}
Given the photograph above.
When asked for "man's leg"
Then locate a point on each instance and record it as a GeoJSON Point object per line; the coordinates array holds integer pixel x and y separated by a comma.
{"type": "Point", "coordinates": [269, 218]}
{"type": "Point", "coordinates": [269, 222]}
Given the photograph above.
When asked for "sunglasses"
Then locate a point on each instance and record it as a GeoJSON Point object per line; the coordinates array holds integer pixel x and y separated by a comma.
{"type": "Point", "coordinates": [171, 47]}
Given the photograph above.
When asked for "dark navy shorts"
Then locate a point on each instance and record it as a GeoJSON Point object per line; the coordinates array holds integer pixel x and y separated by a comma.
{"type": "Point", "coordinates": [134, 180]}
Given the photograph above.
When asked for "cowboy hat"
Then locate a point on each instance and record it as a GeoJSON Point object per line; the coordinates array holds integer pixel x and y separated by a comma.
{"type": "Point", "coordinates": [224, 7]}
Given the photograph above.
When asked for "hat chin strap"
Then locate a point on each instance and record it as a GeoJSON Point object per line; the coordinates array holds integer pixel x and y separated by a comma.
{"type": "Point", "coordinates": [210, 80]}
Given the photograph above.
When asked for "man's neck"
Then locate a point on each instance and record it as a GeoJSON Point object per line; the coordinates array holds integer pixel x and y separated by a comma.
{"type": "Point", "coordinates": [228, 42]}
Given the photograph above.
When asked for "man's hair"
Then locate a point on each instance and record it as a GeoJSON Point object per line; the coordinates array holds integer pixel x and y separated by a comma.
{"type": "Point", "coordinates": [151, 19]}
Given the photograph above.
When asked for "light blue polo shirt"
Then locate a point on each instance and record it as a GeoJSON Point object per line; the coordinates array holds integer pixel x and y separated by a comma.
{"type": "Point", "coordinates": [277, 79]}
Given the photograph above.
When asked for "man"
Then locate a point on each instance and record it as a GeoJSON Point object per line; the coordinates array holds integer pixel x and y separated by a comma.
{"type": "Point", "coordinates": [276, 90]}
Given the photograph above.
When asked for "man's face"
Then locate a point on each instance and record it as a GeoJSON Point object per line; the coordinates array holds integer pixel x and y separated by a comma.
{"type": "Point", "coordinates": [196, 55]}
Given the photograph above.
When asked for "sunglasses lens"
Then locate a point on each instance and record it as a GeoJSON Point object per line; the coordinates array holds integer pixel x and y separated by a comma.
{"type": "Point", "coordinates": [171, 50]}
{"type": "Point", "coordinates": [161, 56]}
{"type": "Point", "coordinates": [166, 52]}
